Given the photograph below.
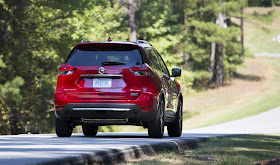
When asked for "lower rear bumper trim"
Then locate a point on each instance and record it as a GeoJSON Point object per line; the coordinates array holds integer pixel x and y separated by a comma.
{"type": "Point", "coordinates": [101, 109]}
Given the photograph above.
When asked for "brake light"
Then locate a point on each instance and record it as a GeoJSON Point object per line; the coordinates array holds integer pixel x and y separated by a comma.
{"type": "Point", "coordinates": [143, 70]}
{"type": "Point", "coordinates": [59, 108]}
{"type": "Point", "coordinates": [66, 69]}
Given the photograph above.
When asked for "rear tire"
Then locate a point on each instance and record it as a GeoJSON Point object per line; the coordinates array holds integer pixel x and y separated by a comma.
{"type": "Point", "coordinates": [63, 128]}
{"type": "Point", "coordinates": [89, 130]}
{"type": "Point", "coordinates": [156, 127]}
{"type": "Point", "coordinates": [175, 129]}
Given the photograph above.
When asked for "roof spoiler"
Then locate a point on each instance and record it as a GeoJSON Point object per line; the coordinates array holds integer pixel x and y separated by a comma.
{"type": "Point", "coordinates": [85, 41]}
{"type": "Point", "coordinates": [143, 42]}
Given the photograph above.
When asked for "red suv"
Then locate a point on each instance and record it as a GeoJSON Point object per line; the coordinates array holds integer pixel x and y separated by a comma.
{"type": "Point", "coordinates": [117, 83]}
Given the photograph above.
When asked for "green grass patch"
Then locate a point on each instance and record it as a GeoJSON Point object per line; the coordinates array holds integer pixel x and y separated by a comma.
{"type": "Point", "coordinates": [259, 103]}
{"type": "Point", "coordinates": [231, 150]}
{"type": "Point", "coordinates": [237, 101]}
{"type": "Point", "coordinates": [261, 30]}
{"type": "Point", "coordinates": [262, 40]}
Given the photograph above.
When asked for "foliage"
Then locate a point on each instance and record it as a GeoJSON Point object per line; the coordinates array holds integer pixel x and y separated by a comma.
{"type": "Point", "coordinates": [37, 35]}
{"type": "Point", "coordinates": [276, 2]}
{"type": "Point", "coordinates": [266, 18]}
{"type": "Point", "coordinates": [264, 3]}
{"type": "Point", "coordinates": [201, 30]}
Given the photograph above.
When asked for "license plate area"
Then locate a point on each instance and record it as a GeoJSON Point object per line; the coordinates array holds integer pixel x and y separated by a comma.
{"type": "Point", "coordinates": [102, 83]}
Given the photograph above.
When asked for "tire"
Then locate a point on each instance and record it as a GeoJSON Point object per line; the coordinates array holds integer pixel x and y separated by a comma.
{"type": "Point", "coordinates": [89, 130]}
{"type": "Point", "coordinates": [63, 128]}
{"type": "Point", "coordinates": [156, 127]}
{"type": "Point", "coordinates": [175, 129]}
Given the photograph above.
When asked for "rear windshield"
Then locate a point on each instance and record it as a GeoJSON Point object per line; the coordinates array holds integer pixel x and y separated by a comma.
{"type": "Point", "coordinates": [104, 56]}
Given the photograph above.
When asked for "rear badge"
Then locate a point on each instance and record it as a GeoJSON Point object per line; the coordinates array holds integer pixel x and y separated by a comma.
{"type": "Point", "coordinates": [69, 89]}
{"type": "Point", "coordinates": [101, 70]}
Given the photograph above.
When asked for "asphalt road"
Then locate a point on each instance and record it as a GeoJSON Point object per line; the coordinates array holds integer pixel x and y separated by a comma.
{"type": "Point", "coordinates": [264, 123]}
{"type": "Point", "coordinates": [40, 148]}
{"type": "Point", "coordinates": [275, 55]}
{"type": "Point", "coordinates": [34, 149]}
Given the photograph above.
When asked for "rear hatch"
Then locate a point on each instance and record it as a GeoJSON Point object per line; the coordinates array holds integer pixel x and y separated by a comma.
{"type": "Point", "coordinates": [103, 72]}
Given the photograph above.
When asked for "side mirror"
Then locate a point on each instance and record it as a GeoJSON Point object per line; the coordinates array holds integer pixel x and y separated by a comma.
{"type": "Point", "coordinates": [176, 72]}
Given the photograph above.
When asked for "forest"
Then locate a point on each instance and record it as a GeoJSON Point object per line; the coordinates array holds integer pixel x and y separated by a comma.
{"type": "Point", "coordinates": [36, 36]}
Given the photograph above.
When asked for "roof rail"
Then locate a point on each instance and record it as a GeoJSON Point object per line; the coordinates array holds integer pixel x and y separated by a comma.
{"type": "Point", "coordinates": [143, 42]}
{"type": "Point", "coordinates": [85, 41]}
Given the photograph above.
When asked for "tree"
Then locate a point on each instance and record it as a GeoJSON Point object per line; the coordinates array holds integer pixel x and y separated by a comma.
{"type": "Point", "coordinates": [130, 10]}
{"type": "Point", "coordinates": [220, 62]}
{"type": "Point", "coordinates": [202, 36]}
{"type": "Point", "coordinates": [36, 36]}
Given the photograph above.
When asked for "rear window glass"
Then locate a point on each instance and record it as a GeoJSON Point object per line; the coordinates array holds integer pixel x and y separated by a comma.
{"type": "Point", "coordinates": [98, 57]}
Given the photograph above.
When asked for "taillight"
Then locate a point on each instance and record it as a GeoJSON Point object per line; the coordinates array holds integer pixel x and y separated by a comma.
{"type": "Point", "coordinates": [141, 70]}
{"type": "Point", "coordinates": [66, 69]}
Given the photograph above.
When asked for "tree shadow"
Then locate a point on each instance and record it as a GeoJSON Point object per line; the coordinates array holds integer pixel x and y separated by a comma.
{"type": "Point", "coordinates": [247, 77]}
{"type": "Point", "coordinates": [251, 147]}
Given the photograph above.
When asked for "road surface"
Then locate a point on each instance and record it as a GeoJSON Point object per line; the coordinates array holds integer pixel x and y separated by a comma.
{"type": "Point", "coordinates": [263, 123]}
{"type": "Point", "coordinates": [40, 148]}
{"type": "Point", "coordinates": [34, 149]}
{"type": "Point", "coordinates": [276, 55]}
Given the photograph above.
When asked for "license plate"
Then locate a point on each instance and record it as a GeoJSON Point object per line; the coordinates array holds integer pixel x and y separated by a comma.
{"type": "Point", "coordinates": [102, 83]}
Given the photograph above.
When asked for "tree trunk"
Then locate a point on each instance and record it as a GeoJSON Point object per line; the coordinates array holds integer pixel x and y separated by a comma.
{"type": "Point", "coordinates": [131, 14]}
{"type": "Point", "coordinates": [242, 30]}
{"type": "Point", "coordinates": [186, 58]}
{"type": "Point", "coordinates": [212, 60]}
{"type": "Point", "coordinates": [185, 54]}
{"type": "Point", "coordinates": [220, 64]}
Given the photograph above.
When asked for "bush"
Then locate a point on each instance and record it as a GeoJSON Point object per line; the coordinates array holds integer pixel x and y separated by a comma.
{"type": "Point", "coordinates": [263, 3]}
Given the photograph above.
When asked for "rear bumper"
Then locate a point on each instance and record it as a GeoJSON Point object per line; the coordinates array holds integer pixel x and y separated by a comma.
{"type": "Point", "coordinates": [105, 113]}
{"type": "Point", "coordinates": [144, 100]}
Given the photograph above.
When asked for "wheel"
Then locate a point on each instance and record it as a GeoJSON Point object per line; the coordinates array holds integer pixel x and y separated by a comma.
{"type": "Point", "coordinates": [156, 127]}
{"type": "Point", "coordinates": [63, 128]}
{"type": "Point", "coordinates": [175, 129]}
{"type": "Point", "coordinates": [89, 130]}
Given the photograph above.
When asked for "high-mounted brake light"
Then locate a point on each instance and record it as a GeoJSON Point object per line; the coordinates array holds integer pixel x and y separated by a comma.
{"type": "Point", "coordinates": [66, 69]}
{"type": "Point", "coordinates": [143, 70]}
{"type": "Point", "coordinates": [109, 39]}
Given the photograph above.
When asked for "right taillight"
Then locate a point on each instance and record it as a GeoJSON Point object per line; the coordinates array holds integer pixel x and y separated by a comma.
{"type": "Point", "coordinates": [66, 69]}
{"type": "Point", "coordinates": [143, 70]}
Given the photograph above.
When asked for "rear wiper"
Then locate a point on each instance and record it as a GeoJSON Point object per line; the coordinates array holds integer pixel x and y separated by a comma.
{"type": "Point", "coordinates": [113, 63]}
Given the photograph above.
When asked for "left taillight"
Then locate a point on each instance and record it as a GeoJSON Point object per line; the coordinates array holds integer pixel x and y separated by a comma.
{"type": "Point", "coordinates": [143, 70]}
{"type": "Point", "coordinates": [66, 69]}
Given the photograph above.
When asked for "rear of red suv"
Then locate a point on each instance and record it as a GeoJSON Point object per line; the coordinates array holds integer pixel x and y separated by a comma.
{"type": "Point", "coordinates": [109, 83]}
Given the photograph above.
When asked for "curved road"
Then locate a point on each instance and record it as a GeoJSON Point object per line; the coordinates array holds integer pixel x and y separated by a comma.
{"type": "Point", "coordinates": [263, 123]}
{"type": "Point", "coordinates": [34, 149]}
{"type": "Point", "coordinates": [44, 148]}
{"type": "Point", "coordinates": [274, 55]}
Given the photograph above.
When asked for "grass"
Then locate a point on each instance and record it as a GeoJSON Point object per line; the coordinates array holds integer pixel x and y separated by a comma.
{"type": "Point", "coordinates": [259, 32]}
{"type": "Point", "coordinates": [254, 90]}
{"type": "Point", "coordinates": [231, 150]}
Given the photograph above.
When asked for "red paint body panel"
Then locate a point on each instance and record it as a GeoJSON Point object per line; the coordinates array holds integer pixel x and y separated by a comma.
{"type": "Point", "coordinates": [144, 100]}
{"type": "Point", "coordinates": [141, 84]}
{"type": "Point", "coordinates": [76, 87]}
